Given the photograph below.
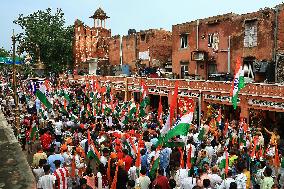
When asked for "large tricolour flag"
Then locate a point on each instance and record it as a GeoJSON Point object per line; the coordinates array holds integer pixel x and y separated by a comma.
{"type": "Point", "coordinates": [238, 83]}
{"type": "Point", "coordinates": [182, 126]}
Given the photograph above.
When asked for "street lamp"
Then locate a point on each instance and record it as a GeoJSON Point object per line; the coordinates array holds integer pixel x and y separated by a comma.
{"type": "Point", "coordinates": [16, 99]}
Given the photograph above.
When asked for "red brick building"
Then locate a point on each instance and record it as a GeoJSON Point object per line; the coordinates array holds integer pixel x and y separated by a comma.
{"type": "Point", "coordinates": [205, 47]}
{"type": "Point", "coordinates": [149, 48]}
{"type": "Point", "coordinates": [91, 44]}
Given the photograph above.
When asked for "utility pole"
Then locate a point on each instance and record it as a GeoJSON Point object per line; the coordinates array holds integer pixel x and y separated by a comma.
{"type": "Point", "coordinates": [16, 100]}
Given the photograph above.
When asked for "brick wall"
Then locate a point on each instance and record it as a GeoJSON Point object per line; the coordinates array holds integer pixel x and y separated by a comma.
{"type": "Point", "coordinates": [114, 50]}
{"type": "Point", "coordinates": [89, 43]}
{"type": "Point", "coordinates": [157, 42]}
{"type": "Point", "coordinates": [223, 26]}
{"type": "Point", "coordinates": [129, 50]}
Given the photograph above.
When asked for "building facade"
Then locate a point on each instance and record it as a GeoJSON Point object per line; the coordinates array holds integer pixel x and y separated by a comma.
{"type": "Point", "coordinates": [150, 48]}
{"type": "Point", "coordinates": [91, 44]}
{"type": "Point", "coordinates": [210, 46]}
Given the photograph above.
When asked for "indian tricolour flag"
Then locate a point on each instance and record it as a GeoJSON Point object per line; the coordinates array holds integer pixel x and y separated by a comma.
{"type": "Point", "coordinates": [132, 110]}
{"type": "Point", "coordinates": [182, 126]}
{"type": "Point", "coordinates": [145, 98]}
{"type": "Point", "coordinates": [238, 83]}
{"type": "Point", "coordinates": [41, 95]}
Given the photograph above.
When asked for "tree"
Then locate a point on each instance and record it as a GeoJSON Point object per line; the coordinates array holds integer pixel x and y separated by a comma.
{"type": "Point", "coordinates": [3, 52]}
{"type": "Point", "coordinates": [46, 36]}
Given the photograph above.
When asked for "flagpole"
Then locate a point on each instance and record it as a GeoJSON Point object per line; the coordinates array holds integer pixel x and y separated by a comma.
{"type": "Point", "coordinates": [199, 109]}
{"type": "Point", "coordinates": [15, 85]}
{"type": "Point", "coordinates": [126, 90]}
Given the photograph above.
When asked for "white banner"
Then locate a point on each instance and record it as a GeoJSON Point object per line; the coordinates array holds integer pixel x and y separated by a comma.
{"type": "Point", "coordinates": [144, 55]}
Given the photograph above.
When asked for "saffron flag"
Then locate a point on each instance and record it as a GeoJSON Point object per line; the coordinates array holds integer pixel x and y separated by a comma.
{"type": "Point", "coordinates": [173, 105]}
{"type": "Point", "coordinates": [227, 162]}
{"type": "Point", "coordinates": [160, 111]}
{"type": "Point", "coordinates": [238, 83]}
{"type": "Point", "coordinates": [189, 157]}
{"type": "Point", "coordinates": [276, 158]}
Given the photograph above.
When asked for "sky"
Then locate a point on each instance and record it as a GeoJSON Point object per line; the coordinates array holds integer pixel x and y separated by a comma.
{"type": "Point", "coordinates": [126, 14]}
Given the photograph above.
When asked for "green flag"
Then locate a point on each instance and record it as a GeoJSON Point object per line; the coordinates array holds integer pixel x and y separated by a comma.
{"type": "Point", "coordinates": [41, 96]}
{"type": "Point", "coordinates": [182, 127]}
{"type": "Point", "coordinates": [154, 168]}
{"type": "Point", "coordinates": [91, 154]}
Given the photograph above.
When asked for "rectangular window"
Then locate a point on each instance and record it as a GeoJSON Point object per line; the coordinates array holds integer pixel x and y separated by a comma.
{"type": "Point", "coordinates": [183, 41]}
{"type": "Point", "coordinates": [210, 40]}
{"type": "Point", "coordinates": [212, 68]}
{"type": "Point", "coordinates": [250, 38]}
{"type": "Point", "coordinates": [183, 70]}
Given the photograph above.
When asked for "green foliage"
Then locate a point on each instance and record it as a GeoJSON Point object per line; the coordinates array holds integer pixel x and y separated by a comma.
{"type": "Point", "coordinates": [3, 52]}
{"type": "Point", "coordinates": [45, 35]}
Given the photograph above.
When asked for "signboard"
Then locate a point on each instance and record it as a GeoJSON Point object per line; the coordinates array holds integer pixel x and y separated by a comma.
{"type": "Point", "coordinates": [265, 103]}
{"type": "Point", "coordinates": [218, 98]}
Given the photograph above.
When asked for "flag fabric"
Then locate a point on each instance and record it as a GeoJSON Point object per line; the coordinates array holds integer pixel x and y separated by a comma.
{"type": "Point", "coordinates": [181, 158]}
{"type": "Point", "coordinates": [144, 92]}
{"type": "Point", "coordinates": [276, 158]}
{"type": "Point", "coordinates": [255, 141]}
{"type": "Point", "coordinates": [138, 157]}
{"type": "Point", "coordinates": [166, 127]}
{"type": "Point", "coordinates": [201, 134]}
{"type": "Point", "coordinates": [219, 118]}
{"type": "Point", "coordinates": [47, 85]}
{"type": "Point", "coordinates": [73, 168]}
{"type": "Point", "coordinates": [145, 100]}
{"type": "Point", "coordinates": [132, 111]}
{"type": "Point", "coordinates": [245, 126]}
{"type": "Point", "coordinates": [155, 164]}
{"type": "Point", "coordinates": [124, 120]}
{"type": "Point", "coordinates": [34, 132]}
{"type": "Point", "coordinates": [182, 127]}
{"type": "Point", "coordinates": [189, 157]}
{"type": "Point", "coordinates": [93, 153]}
{"type": "Point", "coordinates": [173, 105]}
{"type": "Point", "coordinates": [227, 162]}
{"type": "Point", "coordinates": [222, 164]}
{"type": "Point", "coordinates": [41, 95]}
{"type": "Point", "coordinates": [160, 111]}
{"type": "Point", "coordinates": [238, 83]}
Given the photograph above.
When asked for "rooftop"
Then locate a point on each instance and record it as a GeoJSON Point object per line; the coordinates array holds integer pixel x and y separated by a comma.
{"type": "Point", "coordinates": [99, 14]}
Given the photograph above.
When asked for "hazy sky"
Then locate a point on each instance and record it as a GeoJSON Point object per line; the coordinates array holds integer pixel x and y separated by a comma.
{"type": "Point", "coordinates": [126, 14]}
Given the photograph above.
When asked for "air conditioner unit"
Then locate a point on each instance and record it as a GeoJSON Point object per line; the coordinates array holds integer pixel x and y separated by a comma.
{"type": "Point", "coordinates": [198, 56]}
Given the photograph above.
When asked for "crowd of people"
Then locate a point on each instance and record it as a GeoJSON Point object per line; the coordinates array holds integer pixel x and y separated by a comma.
{"type": "Point", "coordinates": [87, 137]}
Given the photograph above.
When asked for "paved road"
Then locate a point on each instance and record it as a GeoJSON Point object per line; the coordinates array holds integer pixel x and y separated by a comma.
{"type": "Point", "coordinates": [15, 172]}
